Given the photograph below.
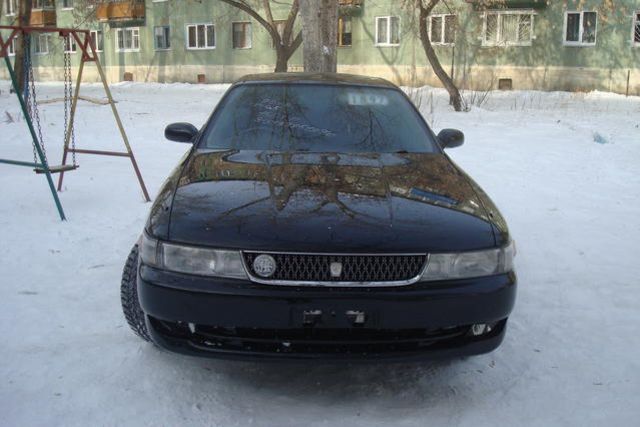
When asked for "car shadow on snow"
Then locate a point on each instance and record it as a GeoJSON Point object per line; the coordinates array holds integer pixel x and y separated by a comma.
{"type": "Point", "coordinates": [326, 383]}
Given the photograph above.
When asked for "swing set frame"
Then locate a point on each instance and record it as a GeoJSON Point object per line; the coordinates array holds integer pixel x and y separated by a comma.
{"type": "Point", "coordinates": [88, 54]}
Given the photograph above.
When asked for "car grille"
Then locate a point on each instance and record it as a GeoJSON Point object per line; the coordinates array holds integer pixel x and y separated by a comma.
{"type": "Point", "coordinates": [356, 269]}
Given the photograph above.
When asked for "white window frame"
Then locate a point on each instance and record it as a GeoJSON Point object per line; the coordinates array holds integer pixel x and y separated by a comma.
{"type": "Point", "coordinates": [11, 49]}
{"type": "Point", "coordinates": [636, 22]}
{"type": "Point", "coordinates": [121, 31]}
{"type": "Point", "coordinates": [40, 37]}
{"type": "Point", "coordinates": [444, 18]}
{"type": "Point", "coordinates": [96, 32]}
{"type": "Point", "coordinates": [341, 24]}
{"type": "Point", "coordinates": [186, 36]}
{"type": "Point", "coordinates": [579, 43]}
{"type": "Point", "coordinates": [250, 35]}
{"type": "Point", "coordinates": [73, 45]}
{"type": "Point", "coordinates": [10, 7]}
{"type": "Point", "coordinates": [500, 14]}
{"type": "Point", "coordinates": [388, 37]}
{"type": "Point", "coordinates": [155, 44]}
{"type": "Point", "coordinates": [67, 7]}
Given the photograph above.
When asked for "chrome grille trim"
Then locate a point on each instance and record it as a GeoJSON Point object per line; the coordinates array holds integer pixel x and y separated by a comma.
{"type": "Point", "coordinates": [355, 284]}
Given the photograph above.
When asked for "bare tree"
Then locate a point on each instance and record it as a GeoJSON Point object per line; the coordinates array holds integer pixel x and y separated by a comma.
{"type": "Point", "coordinates": [282, 39]}
{"type": "Point", "coordinates": [23, 17]}
{"type": "Point", "coordinates": [320, 35]}
{"type": "Point", "coordinates": [424, 10]}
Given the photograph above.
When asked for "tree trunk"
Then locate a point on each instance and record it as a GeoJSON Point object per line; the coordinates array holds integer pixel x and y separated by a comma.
{"type": "Point", "coordinates": [454, 94]}
{"type": "Point", "coordinates": [319, 35]}
{"type": "Point", "coordinates": [282, 60]}
{"type": "Point", "coordinates": [285, 44]}
{"type": "Point", "coordinates": [24, 16]}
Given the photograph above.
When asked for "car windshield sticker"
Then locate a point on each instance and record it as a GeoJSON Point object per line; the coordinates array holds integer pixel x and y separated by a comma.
{"type": "Point", "coordinates": [366, 99]}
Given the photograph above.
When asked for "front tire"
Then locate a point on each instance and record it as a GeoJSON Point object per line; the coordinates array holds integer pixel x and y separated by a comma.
{"type": "Point", "coordinates": [129, 296]}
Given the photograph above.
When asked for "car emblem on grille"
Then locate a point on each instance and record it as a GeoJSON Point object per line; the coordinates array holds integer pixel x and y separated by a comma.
{"type": "Point", "coordinates": [264, 265]}
{"type": "Point", "coordinates": [336, 269]}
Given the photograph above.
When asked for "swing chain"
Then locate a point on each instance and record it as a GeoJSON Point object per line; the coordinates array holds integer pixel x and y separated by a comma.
{"type": "Point", "coordinates": [68, 96]}
{"type": "Point", "coordinates": [30, 97]}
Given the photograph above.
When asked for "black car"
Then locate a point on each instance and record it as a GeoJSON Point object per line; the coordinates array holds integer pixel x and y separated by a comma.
{"type": "Point", "coordinates": [317, 216]}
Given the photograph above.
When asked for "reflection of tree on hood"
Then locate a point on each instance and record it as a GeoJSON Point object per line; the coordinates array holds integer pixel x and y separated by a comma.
{"type": "Point", "coordinates": [411, 176]}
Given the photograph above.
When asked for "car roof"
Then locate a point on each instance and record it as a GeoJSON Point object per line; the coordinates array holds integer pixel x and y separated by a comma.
{"type": "Point", "coordinates": [328, 78]}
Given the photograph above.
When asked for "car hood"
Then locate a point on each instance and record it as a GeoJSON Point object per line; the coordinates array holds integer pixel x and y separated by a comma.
{"type": "Point", "coordinates": [317, 202]}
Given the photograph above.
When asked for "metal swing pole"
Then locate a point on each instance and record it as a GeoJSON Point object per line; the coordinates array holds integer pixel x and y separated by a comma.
{"type": "Point", "coordinates": [89, 54]}
{"type": "Point", "coordinates": [36, 143]}
{"type": "Point", "coordinates": [120, 126]}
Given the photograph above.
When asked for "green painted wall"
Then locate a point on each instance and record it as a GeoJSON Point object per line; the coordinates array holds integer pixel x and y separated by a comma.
{"type": "Point", "coordinates": [614, 52]}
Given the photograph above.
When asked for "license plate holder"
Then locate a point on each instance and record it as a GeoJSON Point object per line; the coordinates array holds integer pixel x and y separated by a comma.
{"type": "Point", "coordinates": [334, 318]}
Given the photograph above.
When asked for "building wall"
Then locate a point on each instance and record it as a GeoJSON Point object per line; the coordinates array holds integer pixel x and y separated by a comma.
{"type": "Point", "coordinates": [546, 64]}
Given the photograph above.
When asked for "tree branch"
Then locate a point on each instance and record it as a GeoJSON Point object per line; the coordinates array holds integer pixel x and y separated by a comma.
{"type": "Point", "coordinates": [291, 19]}
{"type": "Point", "coordinates": [294, 45]}
{"type": "Point", "coordinates": [255, 15]}
{"type": "Point", "coordinates": [267, 7]}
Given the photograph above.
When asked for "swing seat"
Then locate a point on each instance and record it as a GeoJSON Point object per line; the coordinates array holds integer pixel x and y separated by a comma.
{"type": "Point", "coordinates": [56, 169]}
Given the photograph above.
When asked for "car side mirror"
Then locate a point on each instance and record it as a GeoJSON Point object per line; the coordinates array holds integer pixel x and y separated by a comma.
{"type": "Point", "coordinates": [181, 132]}
{"type": "Point", "coordinates": [449, 138]}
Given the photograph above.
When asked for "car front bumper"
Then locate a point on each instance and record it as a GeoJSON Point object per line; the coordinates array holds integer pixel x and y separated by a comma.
{"type": "Point", "coordinates": [243, 320]}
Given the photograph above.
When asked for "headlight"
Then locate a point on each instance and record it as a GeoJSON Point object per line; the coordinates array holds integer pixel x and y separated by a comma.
{"type": "Point", "coordinates": [470, 264]}
{"type": "Point", "coordinates": [191, 260]}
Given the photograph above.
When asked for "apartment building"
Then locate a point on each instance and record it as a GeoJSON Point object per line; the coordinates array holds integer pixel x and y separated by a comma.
{"type": "Point", "coordinates": [519, 44]}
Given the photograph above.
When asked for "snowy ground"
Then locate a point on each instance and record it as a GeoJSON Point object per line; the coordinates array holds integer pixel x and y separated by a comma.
{"type": "Point", "coordinates": [570, 356]}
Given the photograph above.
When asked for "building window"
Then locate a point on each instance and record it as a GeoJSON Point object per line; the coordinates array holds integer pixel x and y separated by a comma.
{"type": "Point", "coordinates": [128, 40]}
{"type": "Point", "coordinates": [70, 45]}
{"type": "Point", "coordinates": [201, 36]}
{"type": "Point", "coordinates": [44, 4]}
{"type": "Point", "coordinates": [280, 24]}
{"type": "Point", "coordinates": [636, 28]}
{"type": "Point", "coordinates": [12, 47]}
{"type": "Point", "coordinates": [40, 43]}
{"type": "Point", "coordinates": [442, 29]}
{"type": "Point", "coordinates": [580, 28]}
{"type": "Point", "coordinates": [67, 4]}
{"type": "Point", "coordinates": [512, 28]}
{"type": "Point", "coordinates": [387, 30]}
{"type": "Point", "coordinates": [9, 7]}
{"type": "Point", "coordinates": [162, 37]}
{"type": "Point", "coordinates": [344, 31]}
{"type": "Point", "coordinates": [97, 37]}
{"type": "Point", "coordinates": [241, 35]}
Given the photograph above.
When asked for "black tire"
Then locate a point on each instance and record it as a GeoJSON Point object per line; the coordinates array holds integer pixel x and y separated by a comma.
{"type": "Point", "coordinates": [129, 296]}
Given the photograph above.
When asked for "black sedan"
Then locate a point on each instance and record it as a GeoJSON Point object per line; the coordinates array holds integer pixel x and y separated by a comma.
{"type": "Point", "coordinates": [317, 216]}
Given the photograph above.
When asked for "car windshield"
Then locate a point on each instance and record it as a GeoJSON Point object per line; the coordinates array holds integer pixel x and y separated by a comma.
{"type": "Point", "coordinates": [317, 118]}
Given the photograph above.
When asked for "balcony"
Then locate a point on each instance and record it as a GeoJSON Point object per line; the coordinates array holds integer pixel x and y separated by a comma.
{"type": "Point", "coordinates": [43, 18]}
{"type": "Point", "coordinates": [350, 7]}
{"type": "Point", "coordinates": [350, 3]}
{"type": "Point", "coordinates": [120, 10]}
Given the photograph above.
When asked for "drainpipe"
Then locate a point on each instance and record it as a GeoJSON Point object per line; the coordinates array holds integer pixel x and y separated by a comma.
{"type": "Point", "coordinates": [453, 61]}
